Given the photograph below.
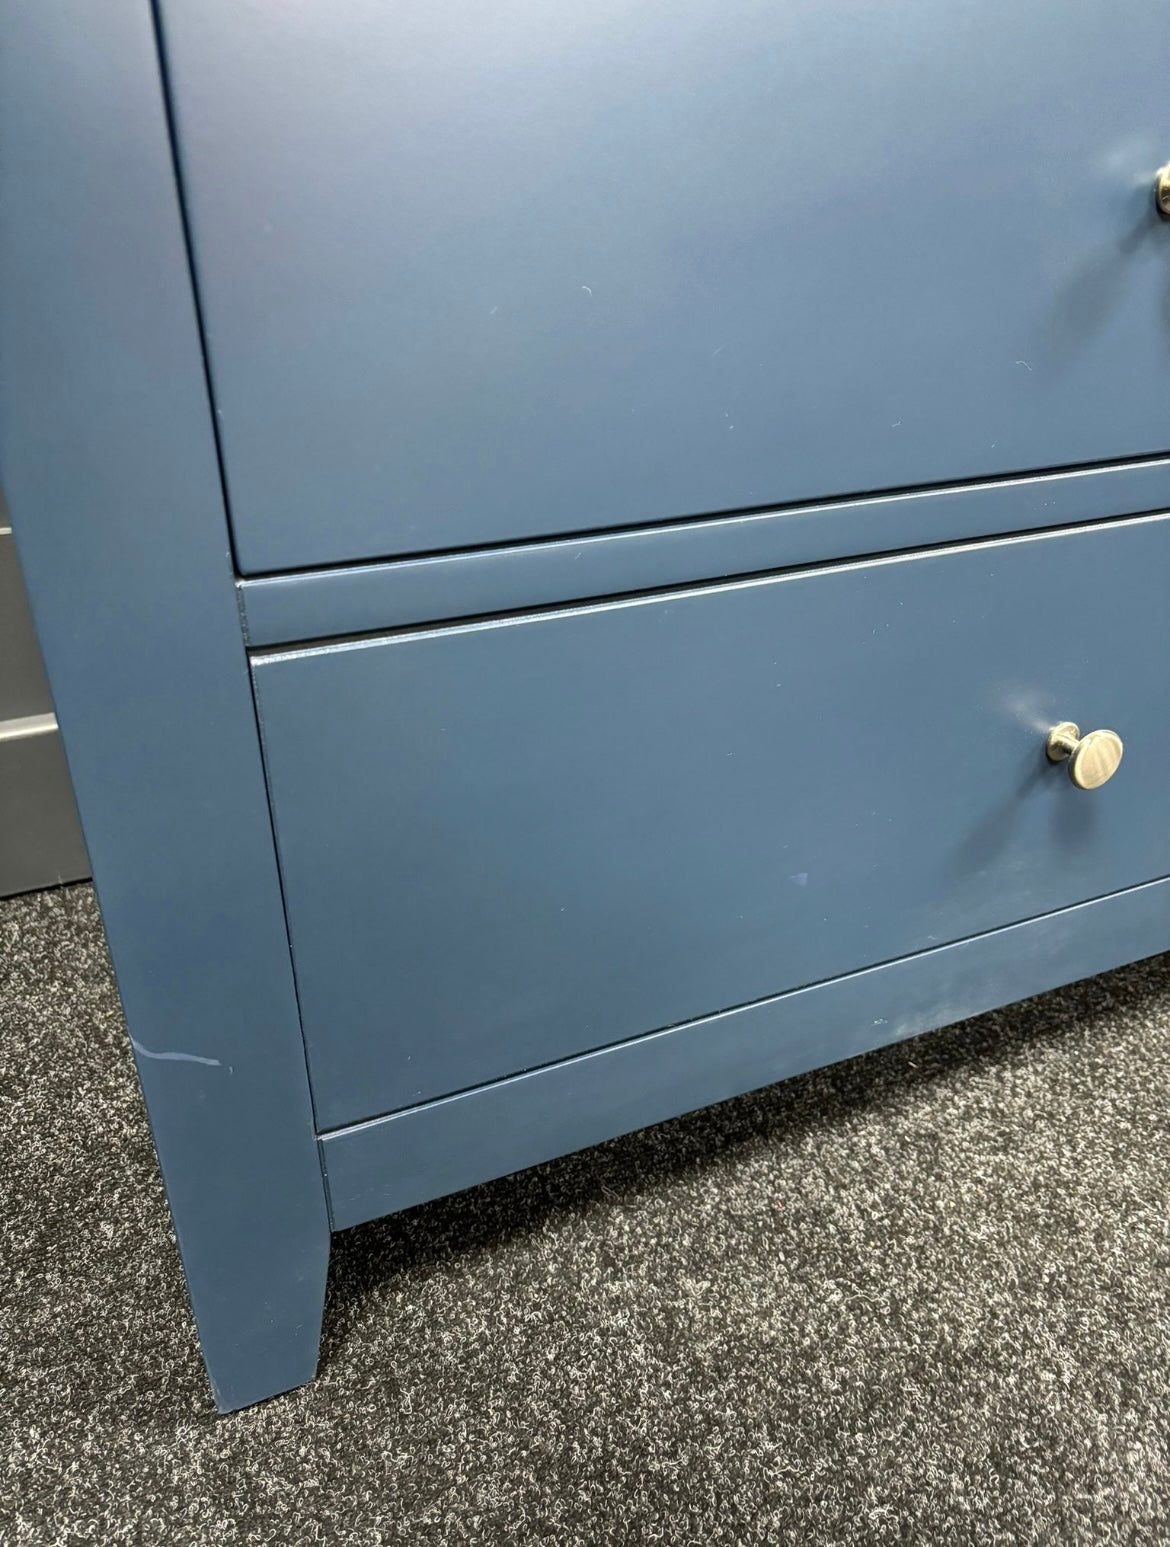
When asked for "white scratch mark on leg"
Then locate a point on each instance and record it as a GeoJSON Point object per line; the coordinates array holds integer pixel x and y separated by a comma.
{"type": "Point", "coordinates": [178, 1058]}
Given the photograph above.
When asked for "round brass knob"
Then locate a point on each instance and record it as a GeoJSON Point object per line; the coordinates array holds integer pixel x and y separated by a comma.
{"type": "Point", "coordinates": [1092, 758]}
{"type": "Point", "coordinates": [1162, 191]}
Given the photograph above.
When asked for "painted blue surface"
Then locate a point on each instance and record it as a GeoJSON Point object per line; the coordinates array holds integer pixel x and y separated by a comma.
{"type": "Point", "coordinates": [315, 604]}
{"type": "Point", "coordinates": [399, 1161]}
{"type": "Point", "coordinates": [109, 465]}
{"type": "Point", "coordinates": [478, 272]}
{"type": "Point", "coordinates": [509, 842]}
{"type": "Point", "coordinates": [474, 275]}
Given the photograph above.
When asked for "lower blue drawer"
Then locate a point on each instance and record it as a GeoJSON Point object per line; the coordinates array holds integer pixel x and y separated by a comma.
{"type": "Point", "coordinates": [506, 842]}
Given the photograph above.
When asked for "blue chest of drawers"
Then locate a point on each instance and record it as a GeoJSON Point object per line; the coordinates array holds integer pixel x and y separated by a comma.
{"type": "Point", "coordinates": [572, 551]}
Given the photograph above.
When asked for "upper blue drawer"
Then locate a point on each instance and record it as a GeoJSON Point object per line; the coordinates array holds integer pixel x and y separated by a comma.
{"type": "Point", "coordinates": [473, 273]}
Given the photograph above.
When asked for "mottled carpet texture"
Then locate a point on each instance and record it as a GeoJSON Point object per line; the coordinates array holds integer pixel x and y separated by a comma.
{"type": "Point", "coordinates": [920, 1297]}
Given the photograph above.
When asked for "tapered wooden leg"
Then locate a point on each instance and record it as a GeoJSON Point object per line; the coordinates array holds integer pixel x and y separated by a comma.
{"type": "Point", "coordinates": [247, 1197]}
{"type": "Point", "coordinates": [112, 475]}
{"type": "Point", "coordinates": [257, 1284]}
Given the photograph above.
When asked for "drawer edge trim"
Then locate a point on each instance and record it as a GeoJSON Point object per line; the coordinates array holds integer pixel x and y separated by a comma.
{"type": "Point", "coordinates": [392, 1163]}
{"type": "Point", "coordinates": [364, 598]}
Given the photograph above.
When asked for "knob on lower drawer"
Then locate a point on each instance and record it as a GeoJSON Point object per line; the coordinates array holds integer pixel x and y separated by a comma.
{"type": "Point", "coordinates": [1092, 758]}
{"type": "Point", "coordinates": [1162, 191]}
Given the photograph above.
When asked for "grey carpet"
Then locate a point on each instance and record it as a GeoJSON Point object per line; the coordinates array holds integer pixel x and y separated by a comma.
{"type": "Point", "coordinates": [921, 1297]}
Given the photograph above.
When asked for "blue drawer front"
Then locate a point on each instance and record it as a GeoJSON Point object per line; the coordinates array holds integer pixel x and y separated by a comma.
{"type": "Point", "coordinates": [505, 843]}
{"type": "Point", "coordinates": [474, 272]}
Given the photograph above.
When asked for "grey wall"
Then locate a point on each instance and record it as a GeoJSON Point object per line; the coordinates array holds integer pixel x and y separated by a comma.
{"type": "Point", "coordinates": [40, 838]}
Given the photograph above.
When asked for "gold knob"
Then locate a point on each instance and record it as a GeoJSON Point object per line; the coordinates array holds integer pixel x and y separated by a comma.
{"type": "Point", "coordinates": [1162, 191]}
{"type": "Point", "coordinates": [1092, 759]}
